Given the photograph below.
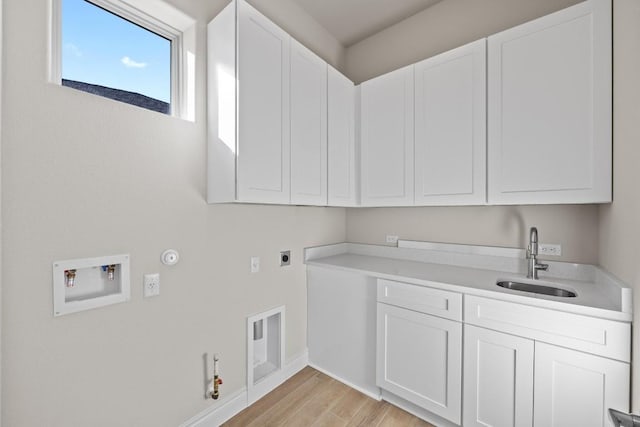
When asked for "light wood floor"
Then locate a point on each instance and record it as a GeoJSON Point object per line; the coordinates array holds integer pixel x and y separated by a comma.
{"type": "Point", "coordinates": [311, 398]}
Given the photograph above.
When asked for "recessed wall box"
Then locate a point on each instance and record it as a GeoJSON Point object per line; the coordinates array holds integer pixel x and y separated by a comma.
{"type": "Point", "coordinates": [83, 284]}
{"type": "Point", "coordinates": [265, 348]}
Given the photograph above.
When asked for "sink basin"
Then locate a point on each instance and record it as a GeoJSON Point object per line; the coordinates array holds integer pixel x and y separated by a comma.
{"type": "Point", "coordinates": [537, 289]}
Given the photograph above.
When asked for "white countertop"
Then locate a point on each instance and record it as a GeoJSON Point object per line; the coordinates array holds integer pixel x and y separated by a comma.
{"type": "Point", "coordinates": [467, 270]}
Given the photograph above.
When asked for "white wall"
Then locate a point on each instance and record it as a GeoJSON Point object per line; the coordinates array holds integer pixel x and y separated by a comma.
{"type": "Point", "coordinates": [445, 25]}
{"type": "Point", "coordinates": [620, 221]}
{"type": "Point", "coordinates": [1, 311]}
{"type": "Point", "coordinates": [302, 27]}
{"type": "Point", "coordinates": [574, 227]}
{"type": "Point", "coordinates": [84, 176]}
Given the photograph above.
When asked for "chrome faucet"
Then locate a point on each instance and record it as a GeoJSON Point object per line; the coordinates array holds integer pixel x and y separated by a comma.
{"type": "Point", "coordinates": [532, 253]}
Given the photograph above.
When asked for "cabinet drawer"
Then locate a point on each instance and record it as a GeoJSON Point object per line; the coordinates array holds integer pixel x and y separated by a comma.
{"type": "Point", "coordinates": [597, 336]}
{"type": "Point", "coordinates": [421, 298]}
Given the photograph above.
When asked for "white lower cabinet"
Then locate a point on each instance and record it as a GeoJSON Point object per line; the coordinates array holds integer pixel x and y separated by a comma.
{"type": "Point", "coordinates": [498, 379]}
{"type": "Point", "coordinates": [576, 389]}
{"type": "Point", "coordinates": [341, 315]}
{"type": "Point", "coordinates": [569, 388]}
{"type": "Point", "coordinates": [514, 377]}
{"type": "Point", "coordinates": [419, 359]}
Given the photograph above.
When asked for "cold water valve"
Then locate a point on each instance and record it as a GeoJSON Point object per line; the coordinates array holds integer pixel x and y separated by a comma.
{"type": "Point", "coordinates": [110, 270]}
{"type": "Point", "coordinates": [70, 278]}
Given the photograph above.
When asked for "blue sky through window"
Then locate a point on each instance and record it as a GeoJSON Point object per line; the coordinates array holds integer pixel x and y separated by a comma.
{"type": "Point", "coordinates": [101, 48]}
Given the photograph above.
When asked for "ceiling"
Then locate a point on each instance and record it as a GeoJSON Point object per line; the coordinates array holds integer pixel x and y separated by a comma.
{"type": "Point", "coordinates": [351, 21]}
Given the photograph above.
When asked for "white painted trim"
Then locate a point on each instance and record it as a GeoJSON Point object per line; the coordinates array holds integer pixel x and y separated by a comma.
{"type": "Point", "coordinates": [156, 16]}
{"type": "Point", "coordinates": [296, 363]}
{"type": "Point", "coordinates": [257, 389]}
{"type": "Point", "coordinates": [463, 249]}
{"type": "Point", "coordinates": [1, 63]}
{"type": "Point", "coordinates": [216, 415]}
{"type": "Point", "coordinates": [325, 251]}
{"type": "Point", "coordinates": [416, 410]}
{"type": "Point", "coordinates": [237, 402]}
{"type": "Point", "coordinates": [54, 53]}
{"type": "Point", "coordinates": [376, 396]}
{"type": "Point", "coordinates": [626, 292]}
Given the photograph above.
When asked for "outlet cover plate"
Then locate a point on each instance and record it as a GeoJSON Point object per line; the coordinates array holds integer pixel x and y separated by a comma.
{"type": "Point", "coordinates": [255, 264]}
{"type": "Point", "coordinates": [151, 285]}
{"type": "Point", "coordinates": [547, 249]}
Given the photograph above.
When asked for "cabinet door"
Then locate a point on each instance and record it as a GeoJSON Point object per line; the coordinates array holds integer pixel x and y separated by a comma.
{"type": "Point", "coordinates": [221, 107]}
{"type": "Point", "coordinates": [419, 359]}
{"type": "Point", "coordinates": [341, 140]}
{"type": "Point", "coordinates": [498, 379]}
{"type": "Point", "coordinates": [387, 139]}
{"type": "Point", "coordinates": [450, 127]}
{"type": "Point", "coordinates": [263, 109]}
{"type": "Point", "coordinates": [577, 389]}
{"type": "Point", "coordinates": [550, 108]}
{"type": "Point", "coordinates": [308, 127]}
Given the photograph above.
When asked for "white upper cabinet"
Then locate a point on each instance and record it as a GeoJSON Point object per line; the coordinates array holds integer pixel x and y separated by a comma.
{"type": "Point", "coordinates": [249, 105]}
{"type": "Point", "coordinates": [524, 117]}
{"type": "Point", "coordinates": [263, 109]}
{"type": "Point", "coordinates": [549, 108]}
{"type": "Point", "coordinates": [221, 107]}
{"type": "Point", "coordinates": [450, 127]}
{"type": "Point", "coordinates": [342, 182]}
{"type": "Point", "coordinates": [267, 113]}
{"type": "Point", "coordinates": [387, 139]}
{"type": "Point", "coordinates": [308, 127]}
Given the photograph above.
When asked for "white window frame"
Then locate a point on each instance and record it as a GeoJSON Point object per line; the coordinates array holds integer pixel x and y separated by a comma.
{"type": "Point", "coordinates": [158, 17]}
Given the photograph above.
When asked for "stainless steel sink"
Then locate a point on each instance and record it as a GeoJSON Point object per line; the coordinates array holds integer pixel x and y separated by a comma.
{"type": "Point", "coordinates": [538, 289]}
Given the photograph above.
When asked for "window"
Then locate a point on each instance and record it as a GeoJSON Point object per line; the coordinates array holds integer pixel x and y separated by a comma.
{"type": "Point", "coordinates": [136, 51]}
{"type": "Point", "coordinates": [112, 57]}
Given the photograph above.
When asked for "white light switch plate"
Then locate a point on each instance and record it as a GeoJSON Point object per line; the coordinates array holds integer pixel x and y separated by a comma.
{"type": "Point", "coordinates": [255, 264]}
{"type": "Point", "coordinates": [151, 285]}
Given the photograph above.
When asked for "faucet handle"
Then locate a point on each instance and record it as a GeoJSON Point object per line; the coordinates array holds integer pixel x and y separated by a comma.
{"type": "Point", "coordinates": [543, 267]}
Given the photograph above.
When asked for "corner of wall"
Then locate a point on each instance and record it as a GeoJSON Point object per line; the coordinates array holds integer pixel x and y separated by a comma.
{"type": "Point", "coordinates": [305, 29]}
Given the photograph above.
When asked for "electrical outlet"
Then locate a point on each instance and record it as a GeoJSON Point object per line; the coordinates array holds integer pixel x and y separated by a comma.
{"type": "Point", "coordinates": [151, 285]}
{"type": "Point", "coordinates": [391, 238]}
{"type": "Point", "coordinates": [255, 264]}
{"type": "Point", "coordinates": [546, 249]}
{"type": "Point", "coordinates": [285, 258]}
